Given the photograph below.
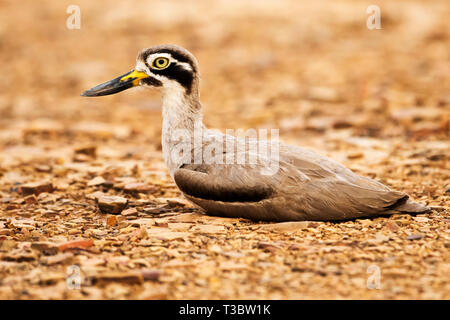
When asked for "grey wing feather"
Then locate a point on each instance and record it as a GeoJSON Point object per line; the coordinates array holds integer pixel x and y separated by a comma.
{"type": "Point", "coordinates": [306, 186]}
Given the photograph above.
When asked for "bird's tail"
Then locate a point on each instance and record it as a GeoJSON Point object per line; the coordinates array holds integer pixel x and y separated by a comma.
{"type": "Point", "coordinates": [410, 206]}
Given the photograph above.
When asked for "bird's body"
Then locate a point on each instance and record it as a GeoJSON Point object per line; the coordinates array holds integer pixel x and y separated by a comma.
{"type": "Point", "coordinates": [238, 177]}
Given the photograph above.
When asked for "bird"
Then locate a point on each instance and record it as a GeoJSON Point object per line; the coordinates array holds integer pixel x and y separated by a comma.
{"type": "Point", "coordinates": [291, 184]}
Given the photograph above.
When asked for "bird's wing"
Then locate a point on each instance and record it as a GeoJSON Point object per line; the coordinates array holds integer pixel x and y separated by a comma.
{"type": "Point", "coordinates": [305, 187]}
{"type": "Point", "coordinates": [223, 182]}
{"type": "Point", "coordinates": [334, 192]}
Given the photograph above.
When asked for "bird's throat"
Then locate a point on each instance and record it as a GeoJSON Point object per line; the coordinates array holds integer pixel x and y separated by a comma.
{"type": "Point", "coordinates": [182, 121]}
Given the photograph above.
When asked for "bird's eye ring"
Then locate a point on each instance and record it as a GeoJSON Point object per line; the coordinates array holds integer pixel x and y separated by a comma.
{"type": "Point", "coordinates": [160, 63]}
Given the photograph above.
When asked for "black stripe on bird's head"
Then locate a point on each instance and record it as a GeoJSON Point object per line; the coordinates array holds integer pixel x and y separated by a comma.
{"type": "Point", "coordinates": [168, 64]}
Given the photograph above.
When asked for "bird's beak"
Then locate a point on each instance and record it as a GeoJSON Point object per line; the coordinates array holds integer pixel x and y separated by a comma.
{"type": "Point", "coordinates": [125, 81]}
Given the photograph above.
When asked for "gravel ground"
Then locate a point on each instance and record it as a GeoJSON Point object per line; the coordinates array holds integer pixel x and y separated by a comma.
{"type": "Point", "coordinates": [88, 210]}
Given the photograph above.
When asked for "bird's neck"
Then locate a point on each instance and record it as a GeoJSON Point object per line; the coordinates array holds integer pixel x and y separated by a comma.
{"type": "Point", "coordinates": [180, 110]}
{"type": "Point", "coordinates": [182, 120]}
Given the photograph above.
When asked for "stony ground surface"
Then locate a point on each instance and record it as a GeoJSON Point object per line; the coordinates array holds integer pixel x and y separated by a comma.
{"type": "Point", "coordinates": [86, 199]}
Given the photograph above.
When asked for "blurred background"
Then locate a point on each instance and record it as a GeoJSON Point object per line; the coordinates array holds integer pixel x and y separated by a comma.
{"type": "Point", "coordinates": [297, 65]}
{"type": "Point", "coordinates": [376, 100]}
{"type": "Point", "coordinates": [312, 69]}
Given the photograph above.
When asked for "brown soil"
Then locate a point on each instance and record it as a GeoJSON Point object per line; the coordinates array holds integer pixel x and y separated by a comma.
{"type": "Point", "coordinates": [376, 100]}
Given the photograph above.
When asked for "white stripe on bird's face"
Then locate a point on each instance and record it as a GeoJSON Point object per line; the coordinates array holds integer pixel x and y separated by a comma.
{"type": "Point", "coordinates": [145, 66]}
{"type": "Point", "coordinates": [152, 57]}
{"type": "Point", "coordinates": [142, 66]}
{"type": "Point", "coordinates": [173, 91]}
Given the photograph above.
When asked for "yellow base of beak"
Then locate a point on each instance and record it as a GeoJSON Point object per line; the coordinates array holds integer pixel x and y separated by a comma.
{"type": "Point", "coordinates": [139, 75]}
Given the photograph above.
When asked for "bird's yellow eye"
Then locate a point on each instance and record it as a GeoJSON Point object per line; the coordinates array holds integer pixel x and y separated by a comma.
{"type": "Point", "coordinates": [160, 63]}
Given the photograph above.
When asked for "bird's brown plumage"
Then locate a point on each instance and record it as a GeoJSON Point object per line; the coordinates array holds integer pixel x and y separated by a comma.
{"type": "Point", "coordinates": [307, 186]}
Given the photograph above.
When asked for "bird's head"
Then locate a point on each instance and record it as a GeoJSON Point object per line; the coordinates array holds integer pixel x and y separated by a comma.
{"type": "Point", "coordinates": [168, 66]}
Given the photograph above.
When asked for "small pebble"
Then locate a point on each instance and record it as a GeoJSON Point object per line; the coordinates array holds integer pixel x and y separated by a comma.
{"type": "Point", "coordinates": [111, 204]}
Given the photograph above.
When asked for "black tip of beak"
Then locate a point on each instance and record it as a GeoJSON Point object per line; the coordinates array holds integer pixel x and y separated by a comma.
{"type": "Point", "coordinates": [97, 93]}
{"type": "Point", "coordinates": [110, 87]}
